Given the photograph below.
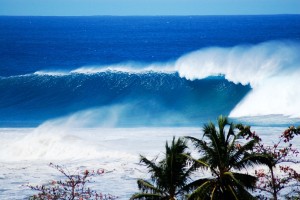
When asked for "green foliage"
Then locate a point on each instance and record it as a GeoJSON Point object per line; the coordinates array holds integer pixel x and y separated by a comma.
{"type": "Point", "coordinates": [222, 153]}
{"type": "Point", "coordinates": [168, 176]}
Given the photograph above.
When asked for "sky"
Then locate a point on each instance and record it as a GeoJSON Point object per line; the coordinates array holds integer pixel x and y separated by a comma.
{"type": "Point", "coordinates": [147, 7]}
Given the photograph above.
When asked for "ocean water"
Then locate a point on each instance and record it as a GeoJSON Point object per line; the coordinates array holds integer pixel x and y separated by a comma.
{"type": "Point", "coordinates": [95, 92]}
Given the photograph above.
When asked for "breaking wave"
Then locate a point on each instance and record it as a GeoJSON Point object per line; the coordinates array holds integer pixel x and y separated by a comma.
{"type": "Point", "coordinates": [272, 69]}
{"type": "Point", "coordinates": [240, 81]}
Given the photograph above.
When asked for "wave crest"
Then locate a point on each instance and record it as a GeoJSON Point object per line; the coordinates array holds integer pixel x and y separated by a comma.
{"type": "Point", "coordinates": [272, 69]}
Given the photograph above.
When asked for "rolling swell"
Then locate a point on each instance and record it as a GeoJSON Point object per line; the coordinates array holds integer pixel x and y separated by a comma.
{"type": "Point", "coordinates": [150, 98]}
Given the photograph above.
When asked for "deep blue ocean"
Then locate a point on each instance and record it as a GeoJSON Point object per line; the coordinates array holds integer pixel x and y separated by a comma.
{"type": "Point", "coordinates": [149, 71]}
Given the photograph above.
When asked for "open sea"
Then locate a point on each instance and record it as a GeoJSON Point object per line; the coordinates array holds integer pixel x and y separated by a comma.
{"type": "Point", "coordinates": [95, 92]}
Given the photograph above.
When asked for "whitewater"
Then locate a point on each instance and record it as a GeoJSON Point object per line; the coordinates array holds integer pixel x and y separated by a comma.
{"type": "Point", "coordinates": [272, 69]}
{"type": "Point", "coordinates": [96, 92]}
{"type": "Point", "coordinates": [116, 150]}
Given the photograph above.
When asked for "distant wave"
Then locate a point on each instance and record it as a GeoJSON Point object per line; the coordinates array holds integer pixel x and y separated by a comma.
{"type": "Point", "coordinates": [272, 69]}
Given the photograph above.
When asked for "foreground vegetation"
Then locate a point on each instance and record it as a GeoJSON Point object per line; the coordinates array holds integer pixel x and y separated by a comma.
{"type": "Point", "coordinates": [225, 152]}
{"type": "Point", "coordinates": [74, 186]}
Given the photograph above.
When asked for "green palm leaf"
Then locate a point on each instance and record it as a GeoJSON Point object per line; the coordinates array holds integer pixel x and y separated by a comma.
{"type": "Point", "coordinates": [195, 184]}
{"type": "Point", "coordinates": [220, 152]}
{"type": "Point", "coordinates": [147, 196]}
{"type": "Point", "coordinates": [147, 187]}
{"type": "Point", "coordinates": [202, 191]}
{"type": "Point", "coordinates": [169, 176]}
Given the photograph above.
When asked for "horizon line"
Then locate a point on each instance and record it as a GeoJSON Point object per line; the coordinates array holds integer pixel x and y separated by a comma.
{"type": "Point", "coordinates": [147, 15]}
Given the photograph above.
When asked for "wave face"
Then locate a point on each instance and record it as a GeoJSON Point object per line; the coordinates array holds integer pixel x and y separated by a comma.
{"type": "Point", "coordinates": [272, 69]}
{"type": "Point", "coordinates": [135, 98]}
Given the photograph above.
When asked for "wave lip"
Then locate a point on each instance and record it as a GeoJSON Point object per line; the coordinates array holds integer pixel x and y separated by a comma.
{"type": "Point", "coordinates": [50, 73]}
{"type": "Point", "coordinates": [272, 69]}
{"type": "Point", "coordinates": [126, 68]}
{"type": "Point", "coordinates": [129, 68]}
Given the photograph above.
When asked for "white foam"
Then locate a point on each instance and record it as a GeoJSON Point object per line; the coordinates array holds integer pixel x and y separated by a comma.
{"type": "Point", "coordinates": [272, 69]}
{"type": "Point", "coordinates": [51, 73]}
{"type": "Point", "coordinates": [277, 96]}
{"type": "Point", "coordinates": [25, 153]}
{"type": "Point", "coordinates": [43, 144]}
{"type": "Point", "coordinates": [127, 68]}
{"type": "Point", "coordinates": [63, 139]}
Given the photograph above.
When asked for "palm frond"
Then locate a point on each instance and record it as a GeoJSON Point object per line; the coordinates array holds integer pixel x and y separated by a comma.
{"type": "Point", "coordinates": [146, 196]}
{"type": "Point", "coordinates": [220, 152]}
{"type": "Point", "coordinates": [240, 153]}
{"type": "Point", "coordinates": [147, 187]}
{"type": "Point", "coordinates": [236, 184]}
{"type": "Point", "coordinates": [240, 180]}
{"type": "Point", "coordinates": [213, 192]}
{"type": "Point", "coordinates": [230, 133]}
{"type": "Point", "coordinates": [149, 163]}
{"type": "Point", "coordinates": [195, 184]}
{"type": "Point", "coordinates": [245, 180]}
{"type": "Point", "coordinates": [200, 162]}
{"type": "Point", "coordinates": [232, 193]}
{"type": "Point", "coordinates": [222, 122]}
{"type": "Point", "coordinates": [214, 149]}
{"type": "Point", "coordinates": [198, 144]}
{"type": "Point", "coordinates": [152, 167]}
{"type": "Point", "coordinates": [253, 159]}
{"type": "Point", "coordinates": [244, 194]}
{"type": "Point", "coordinates": [242, 183]}
{"type": "Point", "coordinates": [170, 174]}
{"type": "Point", "coordinates": [202, 192]}
{"type": "Point", "coordinates": [210, 154]}
{"type": "Point", "coordinates": [243, 130]}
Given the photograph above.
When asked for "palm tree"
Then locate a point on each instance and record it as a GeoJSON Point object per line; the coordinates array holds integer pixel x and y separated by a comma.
{"type": "Point", "coordinates": [168, 177]}
{"type": "Point", "coordinates": [221, 154]}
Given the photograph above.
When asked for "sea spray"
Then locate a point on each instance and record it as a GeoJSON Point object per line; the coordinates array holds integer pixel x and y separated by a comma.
{"type": "Point", "coordinates": [272, 69]}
